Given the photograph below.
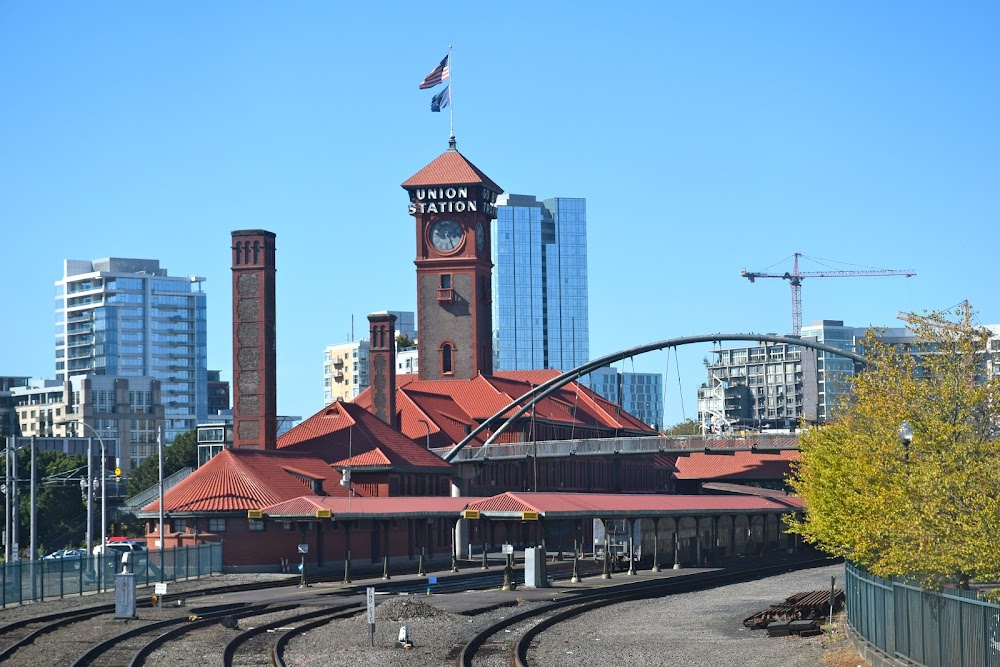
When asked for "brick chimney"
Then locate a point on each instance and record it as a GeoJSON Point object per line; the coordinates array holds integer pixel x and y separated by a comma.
{"type": "Point", "coordinates": [382, 366]}
{"type": "Point", "coordinates": [255, 395]}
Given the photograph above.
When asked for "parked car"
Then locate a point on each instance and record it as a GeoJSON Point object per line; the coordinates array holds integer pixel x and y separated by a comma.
{"type": "Point", "coordinates": [63, 554]}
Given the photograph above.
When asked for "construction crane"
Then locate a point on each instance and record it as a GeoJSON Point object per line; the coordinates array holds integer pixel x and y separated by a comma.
{"type": "Point", "coordinates": [795, 280]}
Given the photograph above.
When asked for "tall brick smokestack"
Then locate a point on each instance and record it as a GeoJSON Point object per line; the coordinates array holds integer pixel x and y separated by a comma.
{"type": "Point", "coordinates": [382, 366]}
{"type": "Point", "coordinates": [255, 391]}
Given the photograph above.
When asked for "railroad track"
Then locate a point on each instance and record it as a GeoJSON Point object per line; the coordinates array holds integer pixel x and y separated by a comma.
{"type": "Point", "coordinates": [505, 638]}
{"type": "Point", "coordinates": [264, 645]}
{"type": "Point", "coordinates": [88, 635]}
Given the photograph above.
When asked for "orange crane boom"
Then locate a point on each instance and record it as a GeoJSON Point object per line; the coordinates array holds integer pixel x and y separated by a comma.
{"type": "Point", "coordinates": [795, 281]}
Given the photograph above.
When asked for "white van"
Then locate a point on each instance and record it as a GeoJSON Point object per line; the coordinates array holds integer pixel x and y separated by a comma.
{"type": "Point", "coordinates": [119, 548]}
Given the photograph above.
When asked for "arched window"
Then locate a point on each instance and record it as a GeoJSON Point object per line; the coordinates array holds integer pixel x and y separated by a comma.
{"type": "Point", "coordinates": [446, 358]}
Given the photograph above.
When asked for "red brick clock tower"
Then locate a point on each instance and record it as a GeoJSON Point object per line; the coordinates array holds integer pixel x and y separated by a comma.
{"type": "Point", "coordinates": [453, 202]}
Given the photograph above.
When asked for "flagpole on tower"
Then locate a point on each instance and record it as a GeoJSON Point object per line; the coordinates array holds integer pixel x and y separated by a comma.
{"type": "Point", "coordinates": [451, 94]}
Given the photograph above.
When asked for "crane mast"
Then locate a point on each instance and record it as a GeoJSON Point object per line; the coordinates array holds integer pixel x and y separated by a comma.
{"type": "Point", "coordinates": [795, 281]}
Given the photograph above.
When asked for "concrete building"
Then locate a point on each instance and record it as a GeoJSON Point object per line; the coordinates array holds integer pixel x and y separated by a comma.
{"type": "Point", "coordinates": [345, 365]}
{"type": "Point", "coordinates": [540, 308]}
{"type": "Point", "coordinates": [116, 409]}
{"type": "Point", "coordinates": [640, 394]}
{"type": "Point", "coordinates": [778, 385]}
{"type": "Point", "coordinates": [345, 370]}
{"type": "Point", "coordinates": [770, 385]}
{"type": "Point", "coordinates": [8, 414]}
{"type": "Point", "coordinates": [127, 318]}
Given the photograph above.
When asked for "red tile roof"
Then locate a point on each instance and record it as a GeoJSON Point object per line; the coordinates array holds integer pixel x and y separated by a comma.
{"type": "Point", "coordinates": [241, 479]}
{"type": "Point", "coordinates": [741, 465]}
{"type": "Point", "coordinates": [451, 168]}
{"type": "Point", "coordinates": [565, 505]}
{"type": "Point", "coordinates": [453, 407]}
{"type": "Point", "coordinates": [343, 432]}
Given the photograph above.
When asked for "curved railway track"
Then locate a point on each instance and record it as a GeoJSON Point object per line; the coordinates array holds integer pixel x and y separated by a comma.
{"type": "Point", "coordinates": [517, 644]}
{"type": "Point", "coordinates": [264, 645]}
{"type": "Point", "coordinates": [88, 635]}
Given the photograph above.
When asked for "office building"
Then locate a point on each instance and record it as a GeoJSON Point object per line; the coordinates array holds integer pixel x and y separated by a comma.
{"type": "Point", "coordinates": [127, 318]}
{"type": "Point", "coordinates": [125, 412]}
{"type": "Point", "coordinates": [540, 312]}
{"type": "Point", "coordinates": [639, 394]}
{"type": "Point", "coordinates": [218, 394]}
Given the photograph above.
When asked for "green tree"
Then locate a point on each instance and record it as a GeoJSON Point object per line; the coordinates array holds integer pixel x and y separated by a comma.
{"type": "Point", "coordinates": [182, 453]}
{"type": "Point", "coordinates": [403, 341]}
{"type": "Point", "coordinates": [929, 508]}
{"type": "Point", "coordinates": [686, 427]}
{"type": "Point", "coordinates": [61, 512]}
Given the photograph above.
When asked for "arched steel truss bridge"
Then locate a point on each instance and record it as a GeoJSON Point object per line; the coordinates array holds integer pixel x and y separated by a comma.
{"type": "Point", "coordinates": [633, 445]}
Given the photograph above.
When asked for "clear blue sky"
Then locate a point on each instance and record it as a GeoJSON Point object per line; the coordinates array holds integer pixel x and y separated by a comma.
{"type": "Point", "coordinates": [706, 137]}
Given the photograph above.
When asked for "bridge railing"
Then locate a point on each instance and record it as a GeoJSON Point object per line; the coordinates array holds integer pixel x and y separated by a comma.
{"type": "Point", "coordinates": [640, 445]}
{"type": "Point", "coordinates": [952, 628]}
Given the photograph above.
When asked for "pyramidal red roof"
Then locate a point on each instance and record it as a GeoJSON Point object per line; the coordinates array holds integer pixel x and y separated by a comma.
{"type": "Point", "coordinates": [241, 479]}
{"type": "Point", "coordinates": [342, 432]}
{"type": "Point", "coordinates": [451, 168]}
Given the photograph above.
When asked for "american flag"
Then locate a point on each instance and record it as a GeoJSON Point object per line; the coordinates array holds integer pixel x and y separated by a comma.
{"type": "Point", "coordinates": [439, 74]}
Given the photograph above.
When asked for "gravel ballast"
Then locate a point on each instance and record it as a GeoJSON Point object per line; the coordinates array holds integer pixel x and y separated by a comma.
{"type": "Point", "coordinates": [688, 629]}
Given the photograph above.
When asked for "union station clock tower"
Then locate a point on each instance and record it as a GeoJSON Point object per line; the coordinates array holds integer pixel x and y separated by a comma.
{"type": "Point", "coordinates": [452, 203]}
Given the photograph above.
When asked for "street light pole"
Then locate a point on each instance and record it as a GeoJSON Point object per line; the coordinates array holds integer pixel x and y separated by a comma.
{"type": "Point", "coordinates": [104, 482]}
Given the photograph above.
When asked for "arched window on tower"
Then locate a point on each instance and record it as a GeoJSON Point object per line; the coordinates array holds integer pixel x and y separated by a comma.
{"type": "Point", "coordinates": [446, 358]}
{"type": "Point", "coordinates": [256, 252]}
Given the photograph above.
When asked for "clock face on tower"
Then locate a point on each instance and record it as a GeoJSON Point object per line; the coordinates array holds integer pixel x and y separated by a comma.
{"type": "Point", "coordinates": [480, 237]}
{"type": "Point", "coordinates": [446, 235]}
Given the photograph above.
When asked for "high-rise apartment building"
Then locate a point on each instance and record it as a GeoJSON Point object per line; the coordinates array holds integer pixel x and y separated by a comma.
{"type": "Point", "coordinates": [128, 318]}
{"type": "Point", "coordinates": [778, 385]}
{"type": "Point", "coordinates": [540, 312]}
{"type": "Point", "coordinates": [640, 394]}
{"type": "Point", "coordinates": [345, 365]}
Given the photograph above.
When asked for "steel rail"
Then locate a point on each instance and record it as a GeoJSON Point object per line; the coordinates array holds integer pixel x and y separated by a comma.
{"type": "Point", "coordinates": [612, 595]}
{"type": "Point", "coordinates": [325, 615]}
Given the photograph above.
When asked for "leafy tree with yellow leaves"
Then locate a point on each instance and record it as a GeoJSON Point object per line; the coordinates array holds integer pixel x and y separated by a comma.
{"type": "Point", "coordinates": [928, 506]}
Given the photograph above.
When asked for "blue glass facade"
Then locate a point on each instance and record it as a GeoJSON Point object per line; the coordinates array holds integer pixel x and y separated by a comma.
{"type": "Point", "coordinates": [540, 311]}
{"type": "Point", "coordinates": [640, 394]}
{"type": "Point", "coordinates": [128, 318]}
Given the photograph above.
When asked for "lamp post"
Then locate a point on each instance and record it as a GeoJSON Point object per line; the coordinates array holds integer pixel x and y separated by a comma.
{"type": "Point", "coordinates": [428, 428]}
{"type": "Point", "coordinates": [906, 437]}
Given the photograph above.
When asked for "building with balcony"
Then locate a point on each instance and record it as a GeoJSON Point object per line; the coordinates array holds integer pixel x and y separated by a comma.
{"type": "Point", "coordinates": [345, 365]}
{"type": "Point", "coordinates": [127, 318]}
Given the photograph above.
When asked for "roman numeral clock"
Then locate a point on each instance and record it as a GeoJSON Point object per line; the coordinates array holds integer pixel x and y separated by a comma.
{"type": "Point", "coordinates": [452, 203]}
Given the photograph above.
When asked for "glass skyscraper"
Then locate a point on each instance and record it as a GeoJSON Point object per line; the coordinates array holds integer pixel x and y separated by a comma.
{"type": "Point", "coordinates": [128, 318]}
{"type": "Point", "coordinates": [540, 313]}
{"type": "Point", "coordinates": [640, 394]}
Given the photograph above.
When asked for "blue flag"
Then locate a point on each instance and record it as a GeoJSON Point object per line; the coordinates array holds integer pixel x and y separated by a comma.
{"type": "Point", "coordinates": [441, 100]}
